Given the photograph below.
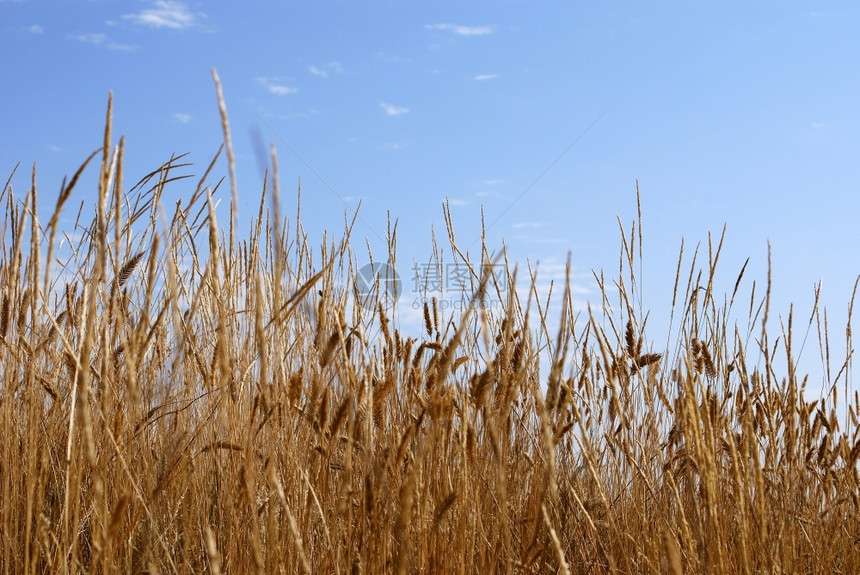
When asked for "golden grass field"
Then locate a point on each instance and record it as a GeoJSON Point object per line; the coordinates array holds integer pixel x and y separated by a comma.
{"type": "Point", "coordinates": [177, 397]}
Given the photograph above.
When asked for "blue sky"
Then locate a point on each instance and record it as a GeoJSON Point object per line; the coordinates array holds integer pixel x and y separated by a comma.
{"type": "Point", "coordinates": [737, 113]}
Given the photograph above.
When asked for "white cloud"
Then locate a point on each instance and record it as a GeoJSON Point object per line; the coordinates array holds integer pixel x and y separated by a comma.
{"type": "Point", "coordinates": [394, 145]}
{"type": "Point", "coordinates": [462, 30]}
{"type": "Point", "coordinates": [393, 110]}
{"type": "Point", "coordinates": [35, 29]}
{"type": "Point", "coordinates": [102, 40]}
{"type": "Point", "coordinates": [280, 90]}
{"type": "Point", "coordinates": [91, 38]}
{"type": "Point", "coordinates": [484, 77]}
{"type": "Point", "coordinates": [528, 225]}
{"type": "Point", "coordinates": [333, 67]}
{"type": "Point", "coordinates": [532, 238]}
{"type": "Point", "coordinates": [458, 202]}
{"type": "Point", "coordinates": [490, 183]}
{"type": "Point", "coordinates": [393, 58]}
{"type": "Point", "coordinates": [122, 47]}
{"type": "Point", "coordinates": [166, 14]}
{"type": "Point", "coordinates": [182, 118]}
{"type": "Point", "coordinates": [276, 88]}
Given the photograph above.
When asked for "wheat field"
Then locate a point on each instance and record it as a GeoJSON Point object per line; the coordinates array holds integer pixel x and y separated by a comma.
{"type": "Point", "coordinates": [177, 396]}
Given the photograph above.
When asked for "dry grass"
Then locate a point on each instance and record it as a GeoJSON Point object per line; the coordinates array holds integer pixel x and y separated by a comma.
{"type": "Point", "coordinates": [174, 401]}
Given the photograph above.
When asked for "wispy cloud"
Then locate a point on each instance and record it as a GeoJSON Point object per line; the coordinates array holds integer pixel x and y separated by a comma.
{"type": "Point", "coordinates": [276, 88]}
{"type": "Point", "coordinates": [393, 110]}
{"type": "Point", "coordinates": [393, 58]}
{"type": "Point", "coordinates": [462, 30]}
{"type": "Point", "coordinates": [91, 38]}
{"type": "Point", "coordinates": [485, 77]}
{"type": "Point", "coordinates": [531, 238]}
{"type": "Point", "coordinates": [528, 225]}
{"type": "Point", "coordinates": [182, 118]}
{"type": "Point", "coordinates": [291, 116]}
{"type": "Point", "coordinates": [166, 14]}
{"type": "Point", "coordinates": [102, 40]}
{"type": "Point", "coordinates": [394, 145]}
{"type": "Point", "coordinates": [121, 47]}
{"type": "Point", "coordinates": [35, 29]}
{"type": "Point", "coordinates": [334, 67]}
{"type": "Point", "coordinates": [280, 90]}
{"type": "Point", "coordinates": [493, 182]}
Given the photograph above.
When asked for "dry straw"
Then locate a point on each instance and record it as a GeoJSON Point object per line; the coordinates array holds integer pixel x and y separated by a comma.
{"type": "Point", "coordinates": [174, 402]}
